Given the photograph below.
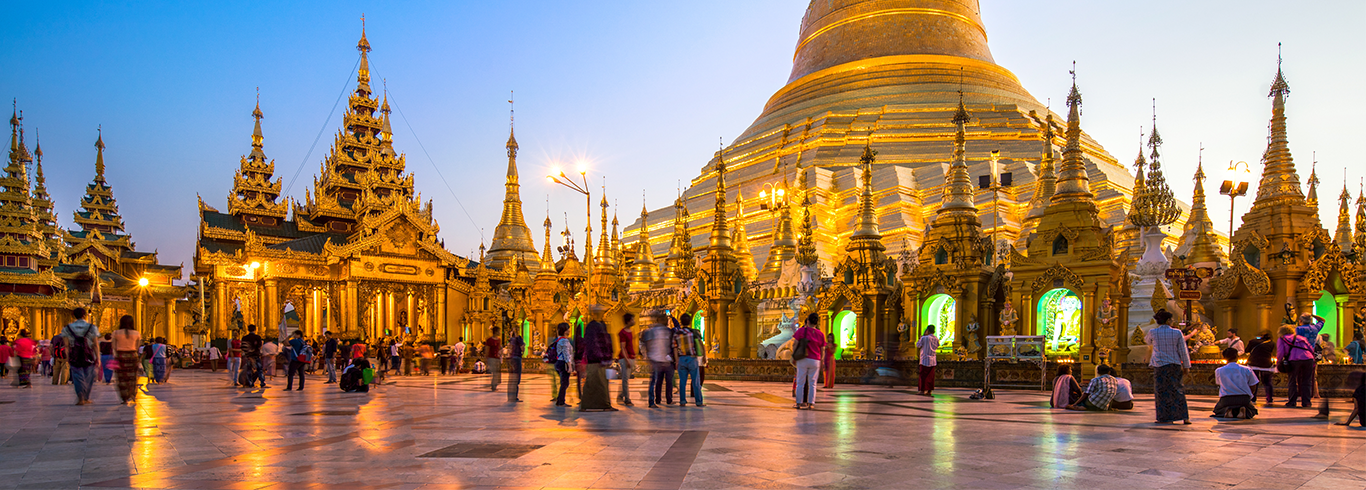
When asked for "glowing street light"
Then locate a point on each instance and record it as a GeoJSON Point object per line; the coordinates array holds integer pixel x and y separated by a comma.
{"type": "Point", "coordinates": [1234, 186]}
{"type": "Point", "coordinates": [143, 282]}
{"type": "Point", "coordinates": [581, 187]}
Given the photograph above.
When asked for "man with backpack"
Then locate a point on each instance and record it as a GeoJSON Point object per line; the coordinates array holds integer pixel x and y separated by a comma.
{"type": "Point", "coordinates": [299, 355]}
{"type": "Point", "coordinates": [329, 355]}
{"type": "Point", "coordinates": [251, 352]}
{"type": "Point", "coordinates": [82, 356]}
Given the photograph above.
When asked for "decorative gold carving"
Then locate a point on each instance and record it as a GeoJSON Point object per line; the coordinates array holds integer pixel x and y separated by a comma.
{"type": "Point", "coordinates": [1254, 279]}
{"type": "Point", "coordinates": [1058, 271]}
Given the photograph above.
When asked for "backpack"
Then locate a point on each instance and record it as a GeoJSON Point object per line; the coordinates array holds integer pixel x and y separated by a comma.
{"type": "Point", "coordinates": [306, 356]}
{"type": "Point", "coordinates": [552, 352]}
{"type": "Point", "coordinates": [81, 354]}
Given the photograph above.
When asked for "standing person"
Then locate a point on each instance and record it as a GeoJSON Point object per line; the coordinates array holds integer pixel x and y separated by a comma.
{"type": "Point", "coordinates": [808, 367]}
{"type": "Point", "coordinates": [492, 351]}
{"type": "Point", "coordinates": [299, 356]}
{"type": "Point", "coordinates": [563, 357]}
{"type": "Point", "coordinates": [81, 339]}
{"type": "Point", "coordinates": [828, 363]}
{"type": "Point", "coordinates": [1232, 341]}
{"type": "Point", "coordinates": [425, 357]}
{"type": "Point", "coordinates": [358, 350]}
{"type": "Point", "coordinates": [516, 346]}
{"type": "Point", "coordinates": [329, 356]}
{"type": "Point", "coordinates": [674, 327]}
{"type": "Point", "coordinates": [1260, 353]}
{"type": "Point", "coordinates": [269, 350]}
{"type": "Point", "coordinates": [251, 355]}
{"type": "Point", "coordinates": [396, 356]}
{"type": "Point", "coordinates": [5, 353]}
{"type": "Point", "coordinates": [688, 348]}
{"type": "Point", "coordinates": [443, 357]}
{"type": "Point", "coordinates": [26, 350]}
{"type": "Point", "coordinates": [61, 370]}
{"type": "Point", "coordinates": [158, 359]}
{"type": "Point", "coordinates": [234, 357]}
{"type": "Point", "coordinates": [106, 358]}
{"type": "Point", "coordinates": [1356, 350]}
{"type": "Point", "coordinates": [458, 356]}
{"type": "Point", "coordinates": [596, 395]}
{"type": "Point", "coordinates": [1237, 388]}
{"type": "Point", "coordinates": [1170, 360]}
{"type": "Point", "coordinates": [1298, 356]}
{"type": "Point", "coordinates": [126, 340]}
{"type": "Point", "coordinates": [214, 356]}
{"type": "Point", "coordinates": [655, 345]}
{"type": "Point", "coordinates": [626, 358]}
{"type": "Point", "coordinates": [927, 344]}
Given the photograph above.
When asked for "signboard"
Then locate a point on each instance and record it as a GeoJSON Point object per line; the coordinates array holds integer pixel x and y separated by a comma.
{"type": "Point", "coordinates": [1188, 295]}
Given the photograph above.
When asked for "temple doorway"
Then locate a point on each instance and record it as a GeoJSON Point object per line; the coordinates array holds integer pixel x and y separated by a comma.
{"type": "Point", "coordinates": [941, 310]}
{"type": "Point", "coordinates": [699, 322]}
{"type": "Point", "coordinates": [1059, 321]}
{"type": "Point", "coordinates": [1326, 306]}
{"type": "Point", "coordinates": [846, 330]}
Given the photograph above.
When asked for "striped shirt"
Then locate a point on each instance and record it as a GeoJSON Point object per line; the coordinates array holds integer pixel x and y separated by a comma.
{"type": "Point", "coordinates": [1169, 347]}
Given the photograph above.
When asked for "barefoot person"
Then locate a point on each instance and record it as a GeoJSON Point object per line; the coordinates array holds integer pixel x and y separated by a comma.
{"type": "Point", "coordinates": [1237, 388]}
{"type": "Point", "coordinates": [927, 344]}
{"type": "Point", "coordinates": [1169, 360]}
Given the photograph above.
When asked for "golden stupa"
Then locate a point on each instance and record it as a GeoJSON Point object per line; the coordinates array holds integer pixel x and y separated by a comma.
{"type": "Point", "coordinates": [888, 74]}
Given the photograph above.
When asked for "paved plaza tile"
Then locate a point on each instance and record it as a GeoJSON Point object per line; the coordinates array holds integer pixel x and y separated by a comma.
{"type": "Point", "coordinates": [452, 433]}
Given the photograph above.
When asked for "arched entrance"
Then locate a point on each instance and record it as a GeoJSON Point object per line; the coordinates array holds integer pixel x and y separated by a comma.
{"type": "Point", "coordinates": [699, 322]}
{"type": "Point", "coordinates": [941, 310]}
{"type": "Point", "coordinates": [845, 326]}
{"type": "Point", "coordinates": [1326, 306]}
{"type": "Point", "coordinates": [1059, 321]}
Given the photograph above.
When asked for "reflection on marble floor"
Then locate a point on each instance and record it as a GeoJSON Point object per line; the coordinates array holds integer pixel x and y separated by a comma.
{"type": "Point", "coordinates": [450, 432]}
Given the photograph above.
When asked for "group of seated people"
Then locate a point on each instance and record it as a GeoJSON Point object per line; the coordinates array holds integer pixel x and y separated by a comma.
{"type": "Point", "coordinates": [1103, 392]}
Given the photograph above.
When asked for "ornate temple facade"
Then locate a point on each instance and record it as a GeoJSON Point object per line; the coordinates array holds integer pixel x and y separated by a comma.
{"type": "Point", "coordinates": [360, 257]}
{"type": "Point", "coordinates": [47, 271]}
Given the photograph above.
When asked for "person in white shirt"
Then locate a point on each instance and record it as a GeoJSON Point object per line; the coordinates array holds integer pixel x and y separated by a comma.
{"type": "Point", "coordinates": [268, 352]}
{"type": "Point", "coordinates": [928, 344]}
{"type": "Point", "coordinates": [1124, 397]}
{"type": "Point", "coordinates": [1232, 341]}
{"type": "Point", "coordinates": [1237, 385]}
{"type": "Point", "coordinates": [214, 356]}
{"type": "Point", "coordinates": [457, 356]}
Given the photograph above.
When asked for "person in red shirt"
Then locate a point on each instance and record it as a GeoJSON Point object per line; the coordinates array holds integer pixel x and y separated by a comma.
{"type": "Point", "coordinates": [26, 349]}
{"type": "Point", "coordinates": [234, 357]}
{"type": "Point", "coordinates": [358, 350]}
{"type": "Point", "coordinates": [809, 366]}
{"type": "Point", "coordinates": [626, 358]}
{"type": "Point", "coordinates": [493, 348]}
{"type": "Point", "coordinates": [4, 357]}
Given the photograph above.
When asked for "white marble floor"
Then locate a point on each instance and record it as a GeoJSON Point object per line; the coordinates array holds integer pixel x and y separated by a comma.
{"type": "Point", "coordinates": [451, 432]}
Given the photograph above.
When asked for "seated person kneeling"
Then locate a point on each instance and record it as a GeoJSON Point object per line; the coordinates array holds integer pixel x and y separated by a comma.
{"type": "Point", "coordinates": [480, 368]}
{"type": "Point", "coordinates": [1124, 398]}
{"type": "Point", "coordinates": [1237, 384]}
{"type": "Point", "coordinates": [1099, 392]}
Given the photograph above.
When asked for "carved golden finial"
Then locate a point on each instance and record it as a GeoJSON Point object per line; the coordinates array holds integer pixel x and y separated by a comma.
{"type": "Point", "coordinates": [1073, 182]}
{"type": "Point", "coordinates": [99, 153]}
{"type": "Point", "coordinates": [1343, 236]}
{"type": "Point", "coordinates": [364, 45]}
{"type": "Point", "coordinates": [1312, 199]}
{"type": "Point", "coordinates": [1154, 205]}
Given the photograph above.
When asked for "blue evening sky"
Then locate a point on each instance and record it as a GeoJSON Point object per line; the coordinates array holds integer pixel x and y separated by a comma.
{"type": "Point", "coordinates": [640, 90]}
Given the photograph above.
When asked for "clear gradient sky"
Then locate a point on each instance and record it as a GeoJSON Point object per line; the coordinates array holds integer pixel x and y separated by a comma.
{"type": "Point", "coordinates": [640, 90]}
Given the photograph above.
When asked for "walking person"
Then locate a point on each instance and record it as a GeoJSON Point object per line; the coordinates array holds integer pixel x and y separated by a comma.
{"type": "Point", "coordinates": [329, 357]}
{"type": "Point", "coordinates": [1169, 360]}
{"type": "Point", "coordinates": [688, 348]}
{"type": "Point", "coordinates": [126, 340]}
{"type": "Point", "coordinates": [808, 349]}
{"type": "Point", "coordinates": [515, 348]}
{"type": "Point", "coordinates": [458, 356]}
{"type": "Point", "coordinates": [492, 351]}
{"type": "Point", "coordinates": [828, 363]}
{"type": "Point", "coordinates": [234, 357]}
{"type": "Point", "coordinates": [106, 368]}
{"type": "Point", "coordinates": [6, 352]}
{"type": "Point", "coordinates": [214, 356]}
{"type": "Point", "coordinates": [251, 355]}
{"type": "Point", "coordinates": [928, 345]}
{"type": "Point", "coordinates": [26, 349]}
{"type": "Point", "coordinates": [269, 350]}
{"type": "Point", "coordinates": [596, 395]}
{"type": "Point", "coordinates": [1260, 354]}
{"type": "Point", "coordinates": [626, 358]}
{"type": "Point", "coordinates": [655, 345]}
{"type": "Point", "coordinates": [562, 354]}
{"type": "Point", "coordinates": [1296, 356]}
{"type": "Point", "coordinates": [299, 354]}
{"type": "Point", "coordinates": [159, 359]}
{"type": "Point", "coordinates": [61, 370]}
{"type": "Point", "coordinates": [82, 340]}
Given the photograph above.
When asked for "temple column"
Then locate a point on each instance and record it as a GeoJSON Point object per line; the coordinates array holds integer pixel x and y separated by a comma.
{"type": "Point", "coordinates": [220, 310]}
{"type": "Point", "coordinates": [441, 314]}
{"type": "Point", "coordinates": [1122, 329]}
{"type": "Point", "coordinates": [173, 335]}
{"type": "Point", "coordinates": [409, 304]}
{"type": "Point", "coordinates": [139, 318]}
{"type": "Point", "coordinates": [271, 305]}
{"type": "Point", "coordinates": [733, 341]}
{"type": "Point", "coordinates": [350, 311]}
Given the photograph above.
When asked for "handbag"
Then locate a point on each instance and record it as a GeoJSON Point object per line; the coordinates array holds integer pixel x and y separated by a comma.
{"type": "Point", "coordinates": [1283, 364]}
{"type": "Point", "coordinates": [13, 362]}
{"type": "Point", "coordinates": [799, 350]}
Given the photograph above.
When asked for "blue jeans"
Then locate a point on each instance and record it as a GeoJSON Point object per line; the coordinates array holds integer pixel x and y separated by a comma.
{"type": "Point", "coordinates": [258, 367]}
{"type": "Point", "coordinates": [687, 367]}
{"type": "Point", "coordinates": [83, 379]}
{"type": "Point", "coordinates": [562, 370]}
{"type": "Point", "coordinates": [104, 365]}
{"type": "Point", "coordinates": [659, 375]}
{"type": "Point", "coordinates": [234, 365]}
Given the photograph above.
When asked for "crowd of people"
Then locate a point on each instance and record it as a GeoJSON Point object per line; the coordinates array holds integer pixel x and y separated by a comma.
{"type": "Point", "coordinates": [676, 356]}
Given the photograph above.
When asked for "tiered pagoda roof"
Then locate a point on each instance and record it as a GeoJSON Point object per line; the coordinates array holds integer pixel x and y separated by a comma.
{"type": "Point", "coordinates": [21, 242]}
{"type": "Point", "coordinates": [254, 197]}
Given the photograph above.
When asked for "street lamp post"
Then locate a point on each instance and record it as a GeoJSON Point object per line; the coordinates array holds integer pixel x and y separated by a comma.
{"type": "Point", "coordinates": [1234, 186]}
{"type": "Point", "coordinates": [588, 229]}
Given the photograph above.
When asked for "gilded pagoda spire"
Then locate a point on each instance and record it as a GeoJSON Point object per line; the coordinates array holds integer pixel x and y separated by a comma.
{"type": "Point", "coordinates": [1199, 243]}
{"type": "Point", "coordinates": [1073, 182]}
{"type": "Point", "coordinates": [958, 194]}
{"type": "Point", "coordinates": [99, 214]}
{"type": "Point", "coordinates": [1280, 184]}
{"type": "Point", "coordinates": [679, 266]}
{"type": "Point", "coordinates": [740, 239]}
{"type": "Point", "coordinates": [1343, 236]}
{"type": "Point", "coordinates": [806, 243]}
{"type": "Point", "coordinates": [616, 242]}
{"type": "Point", "coordinates": [43, 210]}
{"type": "Point", "coordinates": [547, 260]}
{"type": "Point", "coordinates": [784, 246]}
{"type": "Point", "coordinates": [720, 238]}
{"type": "Point", "coordinates": [254, 197]}
{"type": "Point", "coordinates": [1360, 237]}
{"type": "Point", "coordinates": [18, 221]}
{"type": "Point", "coordinates": [1312, 199]}
{"type": "Point", "coordinates": [644, 272]}
{"type": "Point", "coordinates": [1048, 179]}
{"type": "Point", "coordinates": [867, 217]}
{"type": "Point", "coordinates": [511, 237]}
{"type": "Point", "coordinates": [606, 261]}
{"type": "Point", "coordinates": [1153, 203]}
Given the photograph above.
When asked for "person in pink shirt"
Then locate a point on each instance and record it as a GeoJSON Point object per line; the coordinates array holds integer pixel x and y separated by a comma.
{"type": "Point", "coordinates": [27, 350]}
{"type": "Point", "coordinates": [809, 364]}
{"type": "Point", "coordinates": [4, 357]}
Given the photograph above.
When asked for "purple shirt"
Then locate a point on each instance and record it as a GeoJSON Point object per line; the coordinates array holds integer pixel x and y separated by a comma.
{"type": "Point", "coordinates": [1298, 348]}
